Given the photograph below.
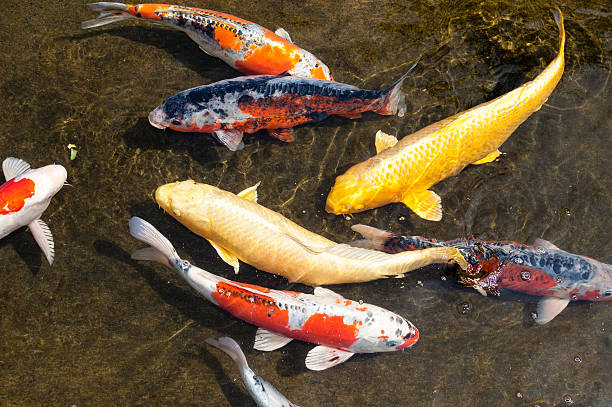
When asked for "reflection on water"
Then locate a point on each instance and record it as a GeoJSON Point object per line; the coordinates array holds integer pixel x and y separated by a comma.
{"type": "Point", "coordinates": [100, 329]}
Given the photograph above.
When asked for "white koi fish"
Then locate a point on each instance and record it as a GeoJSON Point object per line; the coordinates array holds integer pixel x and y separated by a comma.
{"type": "Point", "coordinates": [24, 197]}
{"type": "Point", "coordinates": [264, 394]}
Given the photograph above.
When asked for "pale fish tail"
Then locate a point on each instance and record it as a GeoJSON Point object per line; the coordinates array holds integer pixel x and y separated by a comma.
{"type": "Point", "coordinates": [229, 346]}
{"type": "Point", "coordinates": [393, 100]}
{"type": "Point", "coordinates": [109, 13]}
{"type": "Point", "coordinates": [160, 250]}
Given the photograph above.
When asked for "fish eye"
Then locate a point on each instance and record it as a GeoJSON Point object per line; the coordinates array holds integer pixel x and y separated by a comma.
{"type": "Point", "coordinates": [185, 264]}
{"type": "Point", "coordinates": [176, 122]}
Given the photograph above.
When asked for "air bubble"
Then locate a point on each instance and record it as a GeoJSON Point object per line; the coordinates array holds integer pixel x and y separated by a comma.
{"type": "Point", "coordinates": [401, 219]}
{"type": "Point", "coordinates": [534, 315]}
{"type": "Point", "coordinates": [526, 276]}
{"type": "Point", "coordinates": [519, 395]}
{"type": "Point", "coordinates": [577, 359]}
{"type": "Point", "coordinates": [464, 308]}
{"type": "Point", "coordinates": [568, 400]}
{"type": "Point", "coordinates": [360, 302]}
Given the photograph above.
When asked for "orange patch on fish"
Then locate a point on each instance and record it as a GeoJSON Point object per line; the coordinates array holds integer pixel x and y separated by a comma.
{"type": "Point", "coordinates": [227, 38]}
{"type": "Point", "coordinates": [147, 11]}
{"type": "Point", "coordinates": [318, 73]}
{"type": "Point", "coordinates": [272, 59]}
{"type": "Point", "coordinates": [13, 195]}
{"type": "Point", "coordinates": [333, 329]}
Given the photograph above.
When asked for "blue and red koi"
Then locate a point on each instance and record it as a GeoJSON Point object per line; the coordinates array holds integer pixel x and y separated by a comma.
{"type": "Point", "coordinates": [232, 107]}
{"type": "Point", "coordinates": [541, 269]}
{"type": "Point", "coordinates": [243, 45]}
{"type": "Point", "coordinates": [339, 326]}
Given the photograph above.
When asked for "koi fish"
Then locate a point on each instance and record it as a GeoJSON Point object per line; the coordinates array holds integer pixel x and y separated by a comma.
{"type": "Point", "coordinates": [264, 394]}
{"type": "Point", "coordinates": [241, 229]}
{"type": "Point", "coordinates": [243, 45]}
{"type": "Point", "coordinates": [404, 171]}
{"type": "Point", "coordinates": [24, 197]}
{"type": "Point", "coordinates": [540, 269]}
{"type": "Point", "coordinates": [339, 327]}
{"type": "Point", "coordinates": [246, 104]}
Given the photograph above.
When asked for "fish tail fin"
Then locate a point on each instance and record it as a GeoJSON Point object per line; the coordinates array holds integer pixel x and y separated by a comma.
{"type": "Point", "coordinates": [374, 239]}
{"type": "Point", "coordinates": [229, 346]}
{"type": "Point", "coordinates": [393, 100]}
{"type": "Point", "coordinates": [559, 20]}
{"type": "Point", "coordinates": [109, 13]}
{"type": "Point", "coordinates": [161, 249]}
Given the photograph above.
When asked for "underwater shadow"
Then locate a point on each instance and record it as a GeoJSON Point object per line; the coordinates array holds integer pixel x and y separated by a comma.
{"type": "Point", "coordinates": [24, 244]}
{"type": "Point", "coordinates": [174, 42]}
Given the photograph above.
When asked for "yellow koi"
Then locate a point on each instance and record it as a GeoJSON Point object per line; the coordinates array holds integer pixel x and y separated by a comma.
{"type": "Point", "coordinates": [404, 171]}
{"type": "Point", "coordinates": [241, 229]}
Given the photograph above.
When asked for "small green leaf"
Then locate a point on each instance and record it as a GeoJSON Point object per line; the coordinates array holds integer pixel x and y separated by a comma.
{"type": "Point", "coordinates": [73, 154]}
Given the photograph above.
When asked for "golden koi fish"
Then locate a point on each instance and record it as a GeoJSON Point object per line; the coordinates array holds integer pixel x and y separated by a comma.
{"type": "Point", "coordinates": [241, 229]}
{"type": "Point", "coordinates": [404, 171]}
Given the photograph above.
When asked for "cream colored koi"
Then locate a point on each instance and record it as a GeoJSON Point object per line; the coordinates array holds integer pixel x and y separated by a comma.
{"type": "Point", "coordinates": [404, 171]}
{"type": "Point", "coordinates": [241, 229]}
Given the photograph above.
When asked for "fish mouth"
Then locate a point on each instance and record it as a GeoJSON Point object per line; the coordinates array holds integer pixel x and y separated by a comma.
{"type": "Point", "coordinates": [154, 119]}
{"type": "Point", "coordinates": [162, 197]}
{"type": "Point", "coordinates": [413, 338]}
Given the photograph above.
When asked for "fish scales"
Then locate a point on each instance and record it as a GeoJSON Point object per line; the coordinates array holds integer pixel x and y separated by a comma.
{"type": "Point", "coordinates": [405, 171]}
{"type": "Point", "coordinates": [271, 242]}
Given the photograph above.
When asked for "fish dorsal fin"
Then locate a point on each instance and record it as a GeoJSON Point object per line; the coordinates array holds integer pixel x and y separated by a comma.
{"type": "Point", "coordinates": [326, 292]}
{"type": "Point", "coordinates": [323, 357]}
{"type": "Point", "coordinates": [231, 139]}
{"type": "Point", "coordinates": [44, 238]}
{"type": "Point", "coordinates": [281, 32]}
{"type": "Point", "coordinates": [546, 244]}
{"type": "Point", "coordinates": [267, 341]}
{"type": "Point", "coordinates": [383, 141]}
{"type": "Point", "coordinates": [550, 307]}
{"type": "Point", "coordinates": [344, 250]}
{"type": "Point", "coordinates": [228, 256]}
{"type": "Point", "coordinates": [250, 193]}
{"type": "Point", "coordinates": [14, 167]}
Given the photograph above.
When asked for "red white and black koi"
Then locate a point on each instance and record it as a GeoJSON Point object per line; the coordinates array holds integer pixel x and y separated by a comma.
{"type": "Point", "coordinates": [541, 269]}
{"type": "Point", "coordinates": [232, 107]}
{"type": "Point", "coordinates": [243, 45]}
{"type": "Point", "coordinates": [264, 394]}
{"type": "Point", "coordinates": [339, 326]}
{"type": "Point", "coordinates": [24, 197]}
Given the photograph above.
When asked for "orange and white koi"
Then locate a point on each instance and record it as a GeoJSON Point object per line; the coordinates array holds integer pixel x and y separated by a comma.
{"type": "Point", "coordinates": [239, 228]}
{"type": "Point", "coordinates": [339, 327]}
{"type": "Point", "coordinates": [243, 45]}
{"type": "Point", "coordinates": [264, 394]}
{"type": "Point", "coordinates": [404, 171]}
{"type": "Point", "coordinates": [24, 197]}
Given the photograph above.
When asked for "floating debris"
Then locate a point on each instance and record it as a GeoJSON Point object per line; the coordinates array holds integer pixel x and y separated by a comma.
{"type": "Point", "coordinates": [73, 151]}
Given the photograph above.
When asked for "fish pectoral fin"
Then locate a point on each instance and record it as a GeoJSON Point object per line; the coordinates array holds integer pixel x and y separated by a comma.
{"type": "Point", "coordinates": [44, 238]}
{"type": "Point", "coordinates": [373, 238]}
{"type": "Point", "coordinates": [550, 307]}
{"type": "Point", "coordinates": [323, 357]}
{"type": "Point", "coordinates": [545, 243]}
{"type": "Point", "coordinates": [326, 292]}
{"type": "Point", "coordinates": [427, 204]}
{"type": "Point", "coordinates": [489, 158]}
{"type": "Point", "coordinates": [227, 256]}
{"type": "Point", "coordinates": [383, 141]}
{"type": "Point", "coordinates": [285, 134]}
{"type": "Point", "coordinates": [249, 193]}
{"type": "Point", "coordinates": [349, 115]}
{"type": "Point", "coordinates": [267, 341]}
{"type": "Point", "coordinates": [231, 139]}
{"type": "Point", "coordinates": [281, 32]}
{"type": "Point", "coordinates": [13, 167]}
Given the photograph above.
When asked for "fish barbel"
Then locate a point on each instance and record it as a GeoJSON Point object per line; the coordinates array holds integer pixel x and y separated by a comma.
{"type": "Point", "coordinates": [241, 229]}
{"type": "Point", "coordinates": [404, 171]}
{"type": "Point", "coordinates": [540, 269]}
{"type": "Point", "coordinates": [340, 327]}
{"type": "Point", "coordinates": [243, 45]}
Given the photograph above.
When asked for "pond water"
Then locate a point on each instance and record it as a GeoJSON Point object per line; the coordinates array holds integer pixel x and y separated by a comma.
{"type": "Point", "coordinates": [97, 328]}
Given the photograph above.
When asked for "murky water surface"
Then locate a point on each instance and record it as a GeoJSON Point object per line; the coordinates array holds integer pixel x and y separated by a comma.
{"type": "Point", "coordinates": [100, 329]}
